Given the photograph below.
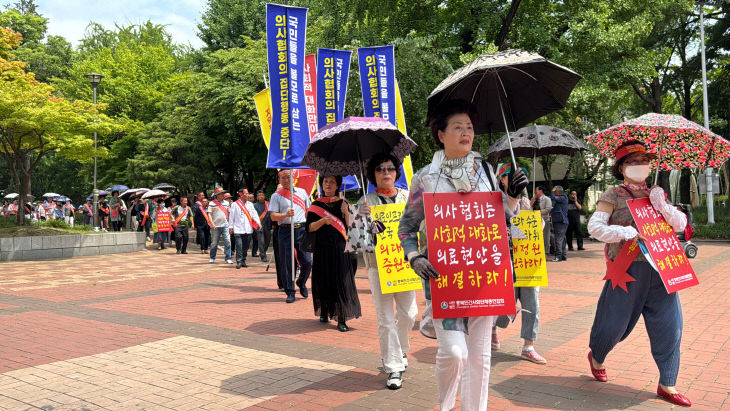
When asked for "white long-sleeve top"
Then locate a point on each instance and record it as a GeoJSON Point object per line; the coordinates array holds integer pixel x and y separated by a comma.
{"type": "Point", "coordinates": [237, 218]}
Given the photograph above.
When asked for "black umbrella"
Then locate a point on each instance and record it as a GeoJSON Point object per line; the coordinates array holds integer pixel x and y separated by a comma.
{"type": "Point", "coordinates": [164, 187]}
{"type": "Point", "coordinates": [512, 84]}
{"type": "Point", "coordinates": [534, 141]}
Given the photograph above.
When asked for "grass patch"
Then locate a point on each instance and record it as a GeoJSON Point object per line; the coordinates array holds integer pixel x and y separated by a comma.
{"type": "Point", "coordinates": [8, 228]}
{"type": "Point", "coordinates": [718, 231]}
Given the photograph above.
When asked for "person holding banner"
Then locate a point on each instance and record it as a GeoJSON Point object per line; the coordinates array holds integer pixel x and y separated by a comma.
{"type": "Point", "coordinates": [333, 281]}
{"type": "Point", "coordinates": [383, 170]}
{"type": "Point", "coordinates": [644, 294]}
{"type": "Point", "coordinates": [464, 348]}
{"type": "Point", "coordinates": [162, 222]}
{"type": "Point", "coordinates": [288, 215]}
{"type": "Point", "coordinates": [528, 296]}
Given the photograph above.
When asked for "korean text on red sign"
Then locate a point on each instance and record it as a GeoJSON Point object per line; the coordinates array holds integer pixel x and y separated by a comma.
{"type": "Point", "coordinates": [468, 245]}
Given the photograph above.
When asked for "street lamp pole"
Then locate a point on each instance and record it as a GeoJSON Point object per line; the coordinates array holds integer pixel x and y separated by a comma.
{"type": "Point", "coordinates": [706, 115]}
{"type": "Point", "coordinates": [95, 79]}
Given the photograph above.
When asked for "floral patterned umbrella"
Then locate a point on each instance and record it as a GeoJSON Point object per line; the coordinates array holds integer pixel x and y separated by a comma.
{"type": "Point", "coordinates": [678, 142]}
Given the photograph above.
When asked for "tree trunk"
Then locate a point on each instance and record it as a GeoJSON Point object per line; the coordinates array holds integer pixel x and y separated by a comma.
{"type": "Point", "coordinates": [656, 90]}
{"type": "Point", "coordinates": [23, 167]}
{"type": "Point", "coordinates": [502, 40]}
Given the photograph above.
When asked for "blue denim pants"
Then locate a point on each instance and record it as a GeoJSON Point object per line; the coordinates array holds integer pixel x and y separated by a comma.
{"type": "Point", "coordinates": [618, 312]}
{"type": "Point", "coordinates": [529, 301]}
{"type": "Point", "coordinates": [215, 236]}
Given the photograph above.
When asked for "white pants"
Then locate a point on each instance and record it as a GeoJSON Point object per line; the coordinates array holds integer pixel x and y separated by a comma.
{"type": "Point", "coordinates": [393, 328]}
{"type": "Point", "coordinates": [69, 220]}
{"type": "Point", "coordinates": [466, 358]}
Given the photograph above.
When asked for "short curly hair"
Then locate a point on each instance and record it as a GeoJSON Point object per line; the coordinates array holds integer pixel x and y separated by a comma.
{"type": "Point", "coordinates": [338, 181]}
{"type": "Point", "coordinates": [377, 160]}
{"type": "Point", "coordinates": [439, 119]}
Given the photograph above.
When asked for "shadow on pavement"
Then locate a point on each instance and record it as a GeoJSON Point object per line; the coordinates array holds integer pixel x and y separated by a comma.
{"type": "Point", "coordinates": [244, 300]}
{"type": "Point", "coordinates": [428, 355]}
{"type": "Point", "coordinates": [245, 288]}
{"type": "Point", "coordinates": [294, 326]}
{"type": "Point", "coordinates": [568, 393]}
{"type": "Point", "coordinates": [296, 380]}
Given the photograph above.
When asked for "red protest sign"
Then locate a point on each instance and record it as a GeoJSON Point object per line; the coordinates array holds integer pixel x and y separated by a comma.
{"type": "Point", "coordinates": [469, 247]}
{"type": "Point", "coordinates": [310, 93]}
{"type": "Point", "coordinates": [164, 223]}
{"type": "Point", "coordinates": [663, 246]}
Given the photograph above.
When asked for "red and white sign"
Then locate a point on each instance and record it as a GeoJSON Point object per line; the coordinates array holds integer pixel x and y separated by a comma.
{"type": "Point", "coordinates": [164, 221]}
{"type": "Point", "coordinates": [663, 246]}
{"type": "Point", "coordinates": [469, 247]}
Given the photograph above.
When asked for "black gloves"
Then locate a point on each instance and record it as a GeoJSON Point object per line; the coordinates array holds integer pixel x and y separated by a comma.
{"type": "Point", "coordinates": [516, 183]}
{"type": "Point", "coordinates": [423, 267]}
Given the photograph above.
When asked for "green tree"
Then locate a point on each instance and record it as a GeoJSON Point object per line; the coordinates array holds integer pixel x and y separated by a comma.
{"type": "Point", "coordinates": [34, 123]}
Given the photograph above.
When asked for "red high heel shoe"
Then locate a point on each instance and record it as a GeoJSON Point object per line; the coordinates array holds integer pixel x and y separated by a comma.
{"type": "Point", "coordinates": [677, 398]}
{"type": "Point", "coordinates": [599, 375]}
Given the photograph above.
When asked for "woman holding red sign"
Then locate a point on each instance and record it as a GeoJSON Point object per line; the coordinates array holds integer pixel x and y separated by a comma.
{"type": "Point", "coordinates": [333, 282]}
{"type": "Point", "coordinates": [640, 291]}
{"type": "Point", "coordinates": [464, 344]}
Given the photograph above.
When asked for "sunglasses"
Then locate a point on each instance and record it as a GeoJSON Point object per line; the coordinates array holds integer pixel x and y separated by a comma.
{"type": "Point", "coordinates": [381, 169]}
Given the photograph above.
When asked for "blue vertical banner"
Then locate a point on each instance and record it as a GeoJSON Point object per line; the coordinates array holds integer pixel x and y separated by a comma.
{"type": "Point", "coordinates": [377, 81]}
{"type": "Point", "coordinates": [286, 29]}
{"type": "Point", "coordinates": [333, 71]}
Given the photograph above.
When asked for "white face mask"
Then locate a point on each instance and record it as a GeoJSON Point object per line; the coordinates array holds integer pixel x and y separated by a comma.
{"type": "Point", "coordinates": [637, 173]}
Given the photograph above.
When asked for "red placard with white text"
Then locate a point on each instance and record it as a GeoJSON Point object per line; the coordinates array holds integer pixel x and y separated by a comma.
{"type": "Point", "coordinates": [164, 222]}
{"type": "Point", "coordinates": [663, 246]}
{"type": "Point", "coordinates": [469, 247]}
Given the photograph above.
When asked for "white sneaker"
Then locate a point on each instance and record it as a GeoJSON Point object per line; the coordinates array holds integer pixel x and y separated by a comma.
{"type": "Point", "coordinates": [229, 261]}
{"type": "Point", "coordinates": [212, 260]}
{"type": "Point", "coordinates": [395, 380]}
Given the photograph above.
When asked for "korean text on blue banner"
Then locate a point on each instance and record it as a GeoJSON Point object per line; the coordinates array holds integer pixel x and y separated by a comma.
{"type": "Point", "coordinates": [286, 29]}
{"type": "Point", "coordinates": [332, 75]}
{"type": "Point", "coordinates": [377, 79]}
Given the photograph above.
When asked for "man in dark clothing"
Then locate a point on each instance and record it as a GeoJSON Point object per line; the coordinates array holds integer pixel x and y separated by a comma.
{"type": "Point", "coordinates": [144, 216]}
{"type": "Point", "coordinates": [264, 233]}
{"type": "Point", "coordinates": [559, 215]}
{"type": "Point", "coordinates": [182, 222]}
{"type": "Point", "coordinates": [201, 223]}
{"type": "Point", "coordinates": [574, 209]}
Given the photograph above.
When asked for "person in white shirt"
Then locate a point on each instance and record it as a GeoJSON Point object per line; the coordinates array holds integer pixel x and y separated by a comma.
{"type": "Point", "coordinates": [218, 213]}
{"type": "Point", "coordinates": [243, 221]}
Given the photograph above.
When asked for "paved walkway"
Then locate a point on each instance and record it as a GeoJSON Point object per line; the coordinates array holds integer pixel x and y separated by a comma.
{"type": "Point", "coordinates": [156, 330]}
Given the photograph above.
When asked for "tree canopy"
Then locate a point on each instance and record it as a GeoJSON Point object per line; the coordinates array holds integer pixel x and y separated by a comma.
{"type": "Point", "coordinates": [188, 115]}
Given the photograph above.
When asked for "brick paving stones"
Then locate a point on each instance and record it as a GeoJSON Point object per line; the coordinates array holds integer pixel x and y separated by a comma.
{"type": "Point", "coordinates": [156, 330]}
